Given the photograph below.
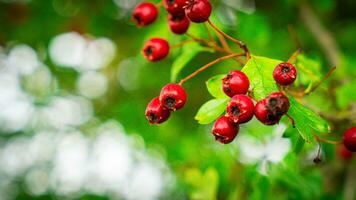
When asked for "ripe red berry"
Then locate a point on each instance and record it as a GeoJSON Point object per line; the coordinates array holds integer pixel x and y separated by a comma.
{"type": "Point", "coordinates": [155, 112]}
{"type": "Point", "coordinates": [344, 152]}
{"type": "Point", "coordinates": [235, 82]}
{"type": "Point", "coordinates": [277, 103]}
{"type": "Point", "coordinates": [285, 73]}
{"type": "Point", "coordinates": [263, 115]}
{"type": "Point", "coordinates": [240, 109]}
{"type": "Point", "coordinates": [173, 96]}
{"type": "Point", "coordinates": [224, 130]}
{"type": "Point", "coordinates": [270, 109]}
{"type": "Point", "coordinates": [178, 24]}
{"type": "Point", "coordinates": [198, 11]}
{"type": "Point", "coordinates": [155, 49]}
{"type": "Point", "coordinates": [350, 139]}
{"type": "Point", "coordinates": [144, 14]}
{"type": "Point", "coordinates": [175, 7]}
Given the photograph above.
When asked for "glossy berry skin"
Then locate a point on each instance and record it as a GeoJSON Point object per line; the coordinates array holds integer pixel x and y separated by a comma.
{"type": "Point", "coordinates": [155, 49]}
{"type": "Point", "coordinates": [224, 130]}
{"type": "Point", "coordinates": [175, 7]}
{"type": "Point", "coordinates": [344, 152]}
{"type": "Point", "coordinates": [350, 139]}
{"type": "Point", "coordinates": [178, 24]}
{"type": "Point", "coordinates": [277, 103]}
{"type": "Point", "coordinates": [263, 114]}
{"type": "Point", "coordinates": [198, 11]}
{"type": "Point", "coordinates": [173, 96]}
{"type": "Point", "coordinates": [240, 109]}
{"type": "Point", "coordinates": [285, 73]}
{"type": "Point", "coordinates": [144, 14]}
{"type": "Point", "coordinates": [156, 113]}
{"type": "Point", "coordinates": [235, 82]}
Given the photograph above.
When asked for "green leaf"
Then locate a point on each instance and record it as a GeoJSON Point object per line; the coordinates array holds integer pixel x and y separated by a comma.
{"type": "Point", "coordinates": [214, 86]}
{"type": "Point", "coordinates": [308, 70]}
{"type": "Point", "coordinates": [306, 121]}
{"type": "Point", "coordinates": [211, 110]}
{"type": "Point", "coordinates": [260, 70]}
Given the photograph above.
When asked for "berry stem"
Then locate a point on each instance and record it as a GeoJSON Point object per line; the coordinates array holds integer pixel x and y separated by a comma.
{"type": "Point", "coordinates": [211, 38]}
{"type": "Point", "coordinates": [327, 141]}
{"type": "Point", "coordinates": [214, 45]}
{"type": "Point", "coordinates": [320, 82]}
{"type": "Point", "coordinates": [159, 4]}
{"type": "Point", "coordinates": [294, 36]}
{"type": "Point", "coordinates": [291, 120]}
{"type": "Point", "coordinates": [238, 42]}
{"type": "Point", "coordinates": [208, 65]}
{"type": "Point", "coordinates": [222, 40]}
{"type": "Point", "coordinates": [180, 44]}
{"type": "Point", "coordinates": [294, 55]}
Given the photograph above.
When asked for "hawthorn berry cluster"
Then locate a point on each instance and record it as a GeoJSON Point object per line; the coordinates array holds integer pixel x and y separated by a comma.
{"type": "Point", "coordinates": [241, 108]}
{"type": "Point", "coordinates": [180, 14]}
{"type": "Point", "coordinates": [171, 98]}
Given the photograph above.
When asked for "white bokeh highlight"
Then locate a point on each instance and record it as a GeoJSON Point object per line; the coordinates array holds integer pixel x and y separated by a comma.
{"type": "Point", "coordinates": [92, 84]}
{"type": "Point", "coordinates": [272, 149]}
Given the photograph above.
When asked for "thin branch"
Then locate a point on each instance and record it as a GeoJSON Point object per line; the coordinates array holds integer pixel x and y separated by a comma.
{"type": "Point", "coordinates": [238, 42]}
{"type": "Point", "coordinates": [294, 55]}
{"type": "Point", "coordinates": [320, 82]}
{"type": "Point", "coordinates": [209, 65]}
{"type": "Point", "coordinates": [182, 43]}
{"type": "Point", "coordinates": [211, 38]}
{"type": "Point", "coordinates": [294, 36]}
{"type": "Point", "coordinates": [327, 141]}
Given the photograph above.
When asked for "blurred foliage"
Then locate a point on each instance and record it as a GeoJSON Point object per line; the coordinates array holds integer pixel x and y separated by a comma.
{"type": "Point", "coordinates": [205, 169]}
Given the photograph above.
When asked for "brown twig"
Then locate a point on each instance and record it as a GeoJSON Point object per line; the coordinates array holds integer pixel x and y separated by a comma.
{"type": "Point", "coordinates": [182, 43]}
{"type": "Point", "coordinates": [294, 36]}
{"type": "Point", "coordinates": [209, 65]}
{"type": "Point", "coordinates": [320, 82]}
{"type": "Point", "coordinates": [319, 139]}
{"type": "Point", "coordinates": [294, 55]}
{"type": "Point", "coordinates": [238, 42]}
{"type": "Point", "coordinates": [215, 46]}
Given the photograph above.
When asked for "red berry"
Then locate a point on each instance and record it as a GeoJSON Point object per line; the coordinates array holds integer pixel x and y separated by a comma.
{"type": "Point", "coordinates": [235, 82]}
{"type": "Point", "coordinates": [344, 152]}
{"type": "Point", "coordinates": [173, 96]}
{"type": "Point", "coordinates": [155, 49]}
{"type": "Point", "coordinates": [277, 103]}
{"type": "Point", "coordinates": [285, 73]}
{"type": "Point", "coordinates": [144, 14]}
{"type": "Point", "coordinates": [155, 112]}
{"type": "Point", "coordinates": [240, 109]}
{"type": "Point", "coordinates": [263, 115]}
{"type": "Point", "coordinates": [350, 139]}
{"type": "Point", "coordinates": [178, 24]}
{"type": "Point", "coordinates": [198, 11]}
{"type": "Point", "coordinates": [224, 130]}
{"type": "Point", "coordinates": [175, 7]}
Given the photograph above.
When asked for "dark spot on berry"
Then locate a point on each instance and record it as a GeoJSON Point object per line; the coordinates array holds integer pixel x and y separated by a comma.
{"type": "Point", "coordinates": [153, 118]}
{"type": "Point", "coordinates": [273, 102]}
{"type": "Point", "coordinates": [138, 19]}
{"type": "Point", "coordinates": [170, 102]}
{"type": "Point", "coordinates": [220, 138]}
{"type": "Point", "coordinates": [149, 50]}
{"type": "Point", "coordinates": [235, 110]}
{"type": "Point", "coordinates": [271, 117]}
{"type": "Point", "coordinates": [285, 69]}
